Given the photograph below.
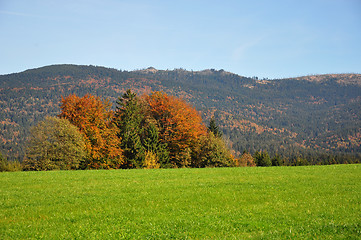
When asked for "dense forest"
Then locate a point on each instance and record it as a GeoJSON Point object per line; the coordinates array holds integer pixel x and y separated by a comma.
{"type": "Point", "coordinates": [313, 119]}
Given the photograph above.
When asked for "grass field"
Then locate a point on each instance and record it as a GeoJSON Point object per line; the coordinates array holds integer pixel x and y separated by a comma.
{"type": "Point", "coordinates": [321, 202]}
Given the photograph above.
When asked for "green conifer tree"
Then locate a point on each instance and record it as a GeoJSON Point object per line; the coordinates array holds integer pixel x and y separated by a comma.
{"type": "Point", "coordinates": [213, 127]}
{"type": "Point", "coordinates": [152, 144]}
{"type": "Point", "coordinates": [262, 159]}
{"type": "Point", "coordinates": [128, 119]}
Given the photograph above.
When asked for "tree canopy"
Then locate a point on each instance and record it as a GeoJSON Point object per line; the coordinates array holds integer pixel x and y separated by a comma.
{"type": "Point", "coordinates": [94, 119]}
{"type": "Point", "coordinates": [180, 125]}
{"type": "Point", "coordinates": [55, 144]}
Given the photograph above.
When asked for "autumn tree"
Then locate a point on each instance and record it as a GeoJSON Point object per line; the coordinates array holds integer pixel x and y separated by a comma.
{"type": "Point", "coordinates": [94, 118]}
{"type": "Point", "coordinates": [54, 144]}
{"type": "Point", "coordinates": [151, 160]}
{"type": "Point", "coordinates": [180, 126]}
{"type": "Point", "coordinates": [246, 160]}
{"type": "Point", "coordinates": [211, 151]}
{"type": "Point", "coordinates": [9, 166]}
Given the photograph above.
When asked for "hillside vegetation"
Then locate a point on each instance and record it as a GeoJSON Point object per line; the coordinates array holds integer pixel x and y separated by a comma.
{"type": "Point", "coordinates": [309, 116]}
{"type": "Point", "coordinates": [313, 202]}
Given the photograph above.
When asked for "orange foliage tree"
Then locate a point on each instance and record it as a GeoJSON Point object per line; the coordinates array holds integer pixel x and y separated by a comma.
{"type": "Point", "coordinates": [93, 117]}
{"type": "Point", "coordinates": [246, 160]}
{"type": "Point", "coordinates": [180, 126]}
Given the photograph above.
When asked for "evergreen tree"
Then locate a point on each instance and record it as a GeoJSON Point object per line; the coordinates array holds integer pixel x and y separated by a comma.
{"type": "Point", "coordinates": [213, 127]}
{"type": "Point", "coordinates": [152, 144]}
{"type": "Point", "coordinates": [277, 161]}
{"type": "Point", "coordinates": [128, 119]}
{"type": "Point", "coordinates": [3, 163]}
{"type": "Point", "coordinates": [2, 158]}
{"type": "Point", "coordinates": [262, 159]}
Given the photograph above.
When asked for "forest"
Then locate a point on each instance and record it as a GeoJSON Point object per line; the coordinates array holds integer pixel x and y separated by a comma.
{"type": "Point", "coordinates": [304, 120]}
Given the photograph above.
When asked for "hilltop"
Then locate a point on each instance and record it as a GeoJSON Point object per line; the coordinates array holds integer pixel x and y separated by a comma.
{"type": "Point", "coordinates": [303, 115]}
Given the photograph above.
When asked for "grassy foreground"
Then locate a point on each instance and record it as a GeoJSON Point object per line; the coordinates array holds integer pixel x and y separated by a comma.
{"type": "Point", "coordinates": [224, 203]}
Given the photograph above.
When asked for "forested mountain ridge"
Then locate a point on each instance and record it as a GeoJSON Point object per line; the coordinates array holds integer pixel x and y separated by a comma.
{"type": "Point", "coordinates": [286, 116]}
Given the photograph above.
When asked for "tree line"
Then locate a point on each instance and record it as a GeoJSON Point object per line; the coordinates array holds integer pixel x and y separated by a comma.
{"type": "Point", "coordinates": [148, 131]}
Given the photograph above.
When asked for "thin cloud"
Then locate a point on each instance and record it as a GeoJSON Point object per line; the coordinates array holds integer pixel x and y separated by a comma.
{"type": "Point", "coordinates": [240, 51]}
{"type": "Point", "coordinates": [19, 14]}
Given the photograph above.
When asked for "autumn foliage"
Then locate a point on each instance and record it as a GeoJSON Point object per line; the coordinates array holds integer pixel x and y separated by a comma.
{"type": "Point", "coordinates": [151, 131]}
{"type": "Point", "coordinates": [93, 117]}
{"type": "Point", "coordinates": [246, 160]}
{"type": "Point", "coordinates": [180, 125]}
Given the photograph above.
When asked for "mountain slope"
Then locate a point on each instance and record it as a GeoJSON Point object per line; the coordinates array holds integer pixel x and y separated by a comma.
{"type": "Point", "coordinates": [287, 116]}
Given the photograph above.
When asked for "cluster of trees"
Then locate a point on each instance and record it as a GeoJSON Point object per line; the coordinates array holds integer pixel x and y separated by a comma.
{"type": "Point", "coordinates": [9, 166]}
{"type": "Point", "coordinates": [263, 159]}
{"type": "Point", "coordinates": [150, 131]}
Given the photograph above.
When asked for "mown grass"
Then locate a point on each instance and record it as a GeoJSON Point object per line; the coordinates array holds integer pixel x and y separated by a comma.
{"type": "Point", "coordinates": [321, 202]}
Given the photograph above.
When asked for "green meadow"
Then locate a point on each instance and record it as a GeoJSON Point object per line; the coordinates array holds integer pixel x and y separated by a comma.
{"type": "Point", "coordinates": [322, 202]}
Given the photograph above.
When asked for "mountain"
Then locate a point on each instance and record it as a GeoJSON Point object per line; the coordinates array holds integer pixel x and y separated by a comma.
{"type": "Point", "coordinates": [291, 117]}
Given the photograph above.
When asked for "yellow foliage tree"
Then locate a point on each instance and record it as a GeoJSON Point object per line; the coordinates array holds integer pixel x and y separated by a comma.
{"type": "Point", "coordinates": [151, 160]}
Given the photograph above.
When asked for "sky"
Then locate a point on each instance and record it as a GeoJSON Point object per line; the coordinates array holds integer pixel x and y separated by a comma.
{"type": "Point", "coordinates": [263, 38]}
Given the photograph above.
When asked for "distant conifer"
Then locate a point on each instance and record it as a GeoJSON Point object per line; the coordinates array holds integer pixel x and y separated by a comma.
{"type": "Point", "coordinates": [213, 127]}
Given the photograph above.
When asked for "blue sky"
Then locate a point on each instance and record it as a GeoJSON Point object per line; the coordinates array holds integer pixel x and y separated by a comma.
{"type": "Point", "coordinates": [273, 39]}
